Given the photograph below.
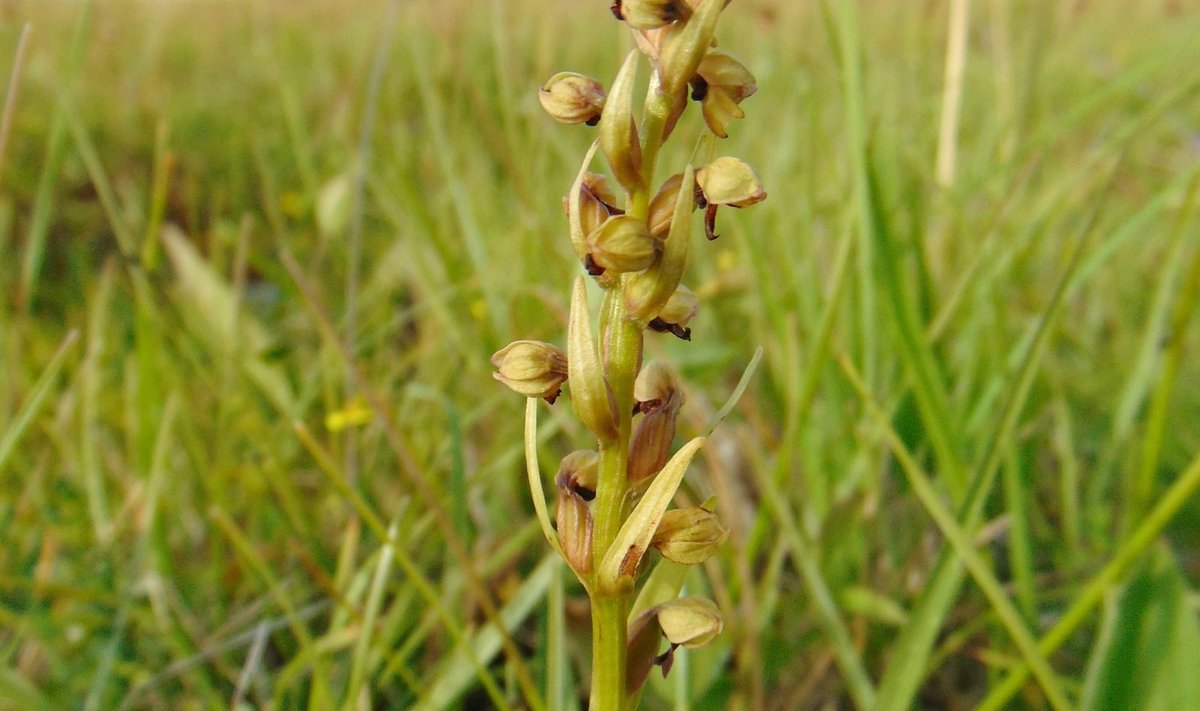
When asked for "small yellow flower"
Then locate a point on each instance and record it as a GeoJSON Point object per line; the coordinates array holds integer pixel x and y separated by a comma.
{"type": "Point", "coordinates": [354, 414]}
{"type": "Point", "coordinates": [291, 203]}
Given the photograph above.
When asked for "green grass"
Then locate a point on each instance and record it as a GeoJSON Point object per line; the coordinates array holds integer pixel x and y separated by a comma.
{"type": "Point", "coordinates": [964, 471]}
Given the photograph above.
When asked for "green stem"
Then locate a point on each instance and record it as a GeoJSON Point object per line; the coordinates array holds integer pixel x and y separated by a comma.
{"type": "Point", "coordinates": [622, 340]}
{"type": "Point", "coordinates": [608, 652]}
{"type": "Point", "coordinates": [623, 348]}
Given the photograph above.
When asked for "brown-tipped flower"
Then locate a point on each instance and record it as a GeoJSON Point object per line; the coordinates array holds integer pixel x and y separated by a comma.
{"type": "Point", "coordinates": [573, 98]}
{"type": "Point", "coordinates": [680, 309]}
{"type": "Point", "coordinates": [690, 621]}
{"type": "Point", "coordinates": [597, 202]}
{"type": "Point", "coordinates": [662, 206]}
{"type": "Point", "coordinates": [720, 84]}
{"type": "Point", "coordinates": [689, 536]}
{"type": "Point", "coordinates": [531, 368]}
{"type": "Point", "coordinates": [650, 14]}
{"type": "Point", "coordinates": [573, 519]}
{"type": "Point", "coordinates": [686, 621]}
{"type": "Point", "coordinates": [576, 484]}
{"type": "Point", "coordinates": [659, 398]}
{"type": "Point", "coordinates": [655, 387]}
{"type": "Point", "coordinates": [579, 471]}
{"type": "Point", "coordinates": [622, 244]}
{"type": "Point", "coordinates": [727, 181]}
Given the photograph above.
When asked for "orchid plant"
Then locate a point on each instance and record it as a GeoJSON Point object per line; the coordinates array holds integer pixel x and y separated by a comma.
{"type": "Point", "coordinates": [613, 500]}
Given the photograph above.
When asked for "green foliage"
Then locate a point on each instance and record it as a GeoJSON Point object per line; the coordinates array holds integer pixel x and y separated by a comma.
{"type": "Point", "coordinates": [179, 528]}
{"type": "Point", "coordinates": [1149, 644]}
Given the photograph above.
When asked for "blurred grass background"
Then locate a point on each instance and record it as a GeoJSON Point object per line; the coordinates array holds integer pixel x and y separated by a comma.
{"type": "Point", "coordinates": [181, 214]}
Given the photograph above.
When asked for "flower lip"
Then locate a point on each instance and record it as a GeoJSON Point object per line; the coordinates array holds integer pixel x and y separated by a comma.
{"type": "Point", "coordinates": [578, 472]}
{"type": "Point", "coordinates": [680, 308]}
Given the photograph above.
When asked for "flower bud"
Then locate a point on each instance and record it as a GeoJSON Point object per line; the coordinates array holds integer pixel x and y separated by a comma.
{"type": "Point", "coordinates": [622, 244]}
{"type": "Point", "coordinates": [531, 368]}
{"type": "Point", "coordinates": [689, 536]}
{"type": "Point", "coordinates": [720, 84]}
{"type": "Point", "coordinates": [730, 181]}
{"type": "Point", "coordinates": [727, 181]}
{"type": "Point", "coordinates": [573, 98]}
{"type": "Point", "coordinates": [662, 206]}
{"type": "Point", "coordinates": [680, 309]}
{"type": "Point", "coordinates": [650, 14]}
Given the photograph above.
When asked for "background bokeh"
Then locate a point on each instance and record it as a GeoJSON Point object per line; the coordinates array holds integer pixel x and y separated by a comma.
{"type": "Point", "coordinates": [228, 228]}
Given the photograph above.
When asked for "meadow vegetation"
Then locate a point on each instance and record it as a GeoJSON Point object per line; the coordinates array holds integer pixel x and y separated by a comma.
{"type": "Point", "coordinates": [256, 257]}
